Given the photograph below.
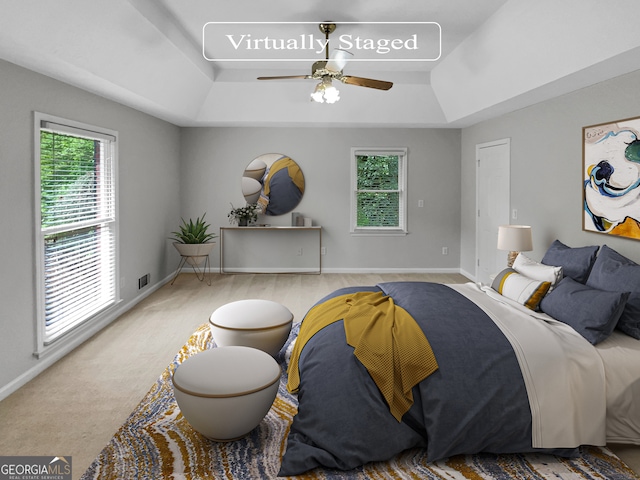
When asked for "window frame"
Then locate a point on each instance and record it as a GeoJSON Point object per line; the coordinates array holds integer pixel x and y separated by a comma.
{"type": "Point", "coordinates": [400, 230]}
{"type": "Point", "coordinates": [43, 121]}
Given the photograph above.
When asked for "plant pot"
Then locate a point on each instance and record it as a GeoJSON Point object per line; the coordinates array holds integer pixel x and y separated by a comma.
{"type": "Point", "coordinates": [243, 222]}
{"type": "Point", "coordinates": [195, 252]}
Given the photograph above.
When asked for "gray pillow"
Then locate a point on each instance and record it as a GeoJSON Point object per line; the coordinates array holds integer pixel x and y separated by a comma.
{"type": "Point", "coordinates": [592, 313]}
{"type": "Point", "coordinates": [575, 262]}
{"type": "Point", "coordinates": [615, 273]}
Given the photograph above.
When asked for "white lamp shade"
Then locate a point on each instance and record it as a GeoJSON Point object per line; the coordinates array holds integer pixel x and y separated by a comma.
{"type": "Point", "coordinates": [338, 60]}
{"type": "Point", "coordinates": [515, 238]}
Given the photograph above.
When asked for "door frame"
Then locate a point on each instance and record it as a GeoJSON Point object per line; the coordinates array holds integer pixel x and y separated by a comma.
{"type": "Point", "coordinates": [494, 143]}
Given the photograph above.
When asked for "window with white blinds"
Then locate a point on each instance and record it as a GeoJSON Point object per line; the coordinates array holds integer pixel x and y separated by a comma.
{"type": "Point", "coordinates": [378, 201]}
{"type": "Point", "coordinates": [77, 224]}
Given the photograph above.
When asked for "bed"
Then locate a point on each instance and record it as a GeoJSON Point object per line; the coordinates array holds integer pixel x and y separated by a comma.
{"type": "Point", "coordinates": [545, 359]}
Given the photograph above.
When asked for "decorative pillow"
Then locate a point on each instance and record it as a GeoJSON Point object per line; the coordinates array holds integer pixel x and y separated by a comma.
{"type": "Point", "coordinates": [575, 262]}
{"type": "Point", "coordinates": [615, 273]}
{"type": "Point", "coordinates": [537, 271]}
{"type": "Point", "coordinates": [592, 313]}
{"type": "Point", "coordinates": [519, 288]}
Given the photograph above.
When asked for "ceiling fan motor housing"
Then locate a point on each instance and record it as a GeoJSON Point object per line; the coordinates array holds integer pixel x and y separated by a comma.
{"type": "Point", "coordinates": [319, 65]}
{"type": "Point", "coordinates": [327, 27]}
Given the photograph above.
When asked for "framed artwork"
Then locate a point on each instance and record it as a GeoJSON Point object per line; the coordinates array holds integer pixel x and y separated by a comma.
{"type": "Point", "coordinates": [274, 182]}
{"type": "Point", "coordinates": [611, 178]}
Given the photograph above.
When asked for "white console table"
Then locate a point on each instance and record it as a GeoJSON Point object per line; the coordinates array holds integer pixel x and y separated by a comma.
{"type": "Point", "coordinates": [271, 249]}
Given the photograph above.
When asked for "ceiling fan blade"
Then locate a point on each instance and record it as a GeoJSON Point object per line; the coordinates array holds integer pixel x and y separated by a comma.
{"type": "Point", "coordinates": [284, 77]}
{"type": "Point", "coordinates": [338, 60]}
{"type": "Point", "coordinates": [366, 82]}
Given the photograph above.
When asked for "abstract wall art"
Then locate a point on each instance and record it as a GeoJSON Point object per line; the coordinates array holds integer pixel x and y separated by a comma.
{"type": "Point", "coordinates": [611, 178]}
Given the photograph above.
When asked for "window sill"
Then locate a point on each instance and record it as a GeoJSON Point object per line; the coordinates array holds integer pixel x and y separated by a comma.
{"type": "Point", "coordinates": [379, 233]}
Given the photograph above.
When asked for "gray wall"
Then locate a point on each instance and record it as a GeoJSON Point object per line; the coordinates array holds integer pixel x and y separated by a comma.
{"type": "Point", "coordinates": [213, 160]}
{"type": "Point", "coordinates": [148, 200]}
{"type": "Point", "coordinates": [546, 165]}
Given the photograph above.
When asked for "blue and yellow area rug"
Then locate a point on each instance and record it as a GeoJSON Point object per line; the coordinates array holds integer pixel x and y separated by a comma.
{"type": "Point", "coordinates": [156, 442]}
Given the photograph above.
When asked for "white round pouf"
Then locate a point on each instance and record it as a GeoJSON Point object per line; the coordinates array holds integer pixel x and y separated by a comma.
{"type": "Point", "coordinates": [225, 392]}
{"type": "Point", "coordinates": [260, 324]}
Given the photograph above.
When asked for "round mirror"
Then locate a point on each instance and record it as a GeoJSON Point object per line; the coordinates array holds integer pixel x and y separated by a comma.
{"type": "Point", "coordinates": [273, 181]}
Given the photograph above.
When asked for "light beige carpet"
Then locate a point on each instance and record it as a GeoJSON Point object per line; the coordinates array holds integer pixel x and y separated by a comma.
{"type": "Point", "coordinates": [77, 405]}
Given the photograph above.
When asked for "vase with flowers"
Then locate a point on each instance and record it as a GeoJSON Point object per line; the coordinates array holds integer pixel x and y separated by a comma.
{"type": "Point", "coordinates": [243, 216]}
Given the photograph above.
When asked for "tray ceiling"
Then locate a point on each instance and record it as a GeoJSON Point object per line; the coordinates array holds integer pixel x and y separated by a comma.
{"type": "Point", "coordinates": [495, 56]}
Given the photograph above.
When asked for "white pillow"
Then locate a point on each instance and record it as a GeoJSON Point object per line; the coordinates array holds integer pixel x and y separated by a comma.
{"type": "Point", "coordinates": [537, 271]}
{"type": "Point", "coordinates": [524, 290]}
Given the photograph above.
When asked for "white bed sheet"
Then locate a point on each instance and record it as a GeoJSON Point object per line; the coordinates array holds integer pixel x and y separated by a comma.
{"type": "Point", "coordinates": [620, 355]}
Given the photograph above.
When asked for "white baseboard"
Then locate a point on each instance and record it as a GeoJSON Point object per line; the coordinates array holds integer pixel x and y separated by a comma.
{"type": "Point", "coordinates": [75, 339]}
{"type": "Point", "coordinates": [470, 276]}
{"type": "Point", "coordinates": [270, 270]}
{"type": "Point", "coordinates": [391, 270]}
{"type": "Point", "coordinates": [343, 270]}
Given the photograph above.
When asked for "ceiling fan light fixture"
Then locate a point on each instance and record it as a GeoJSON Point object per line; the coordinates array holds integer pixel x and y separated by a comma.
{"type": "Point", "coordinates": [331, 94]}
{"type": "Point", "coordinates": [318, 93]}
{"type": "Point", "coordinates": [325, 92]}
{"type": "Point", "coordinates": [331, 69]}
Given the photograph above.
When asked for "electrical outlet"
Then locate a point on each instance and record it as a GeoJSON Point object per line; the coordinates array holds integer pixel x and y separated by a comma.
{"type": "Point", "coordinates": [514, 214]}
{"type": "Point", "coordinates": [420, 203]}
{"type": "Point", "coordinates": [300, 251]}
{"type": "Point", "coordinates": [323, 251]}
{"type": "Point", "coordinates": [445, 250]}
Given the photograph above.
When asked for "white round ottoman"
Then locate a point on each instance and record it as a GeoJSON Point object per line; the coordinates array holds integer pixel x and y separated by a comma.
{"type": "Point", "coordinates": [260, 324]}
{"type": "Point", "coordinates": [225, 392]}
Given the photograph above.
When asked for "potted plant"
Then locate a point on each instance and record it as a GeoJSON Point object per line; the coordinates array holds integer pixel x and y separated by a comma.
{"type": "Point", "coordinates": [193, 240]}
{"type": "Point", "coordinates": [243, 216]}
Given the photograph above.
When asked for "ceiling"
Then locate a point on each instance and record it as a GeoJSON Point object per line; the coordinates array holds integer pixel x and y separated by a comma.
{"type": "Point", "coordinates": [488, 58]}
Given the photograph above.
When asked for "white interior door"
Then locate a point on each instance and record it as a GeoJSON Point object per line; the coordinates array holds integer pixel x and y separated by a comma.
{"type": "Point", "coordinates": [493, 205]}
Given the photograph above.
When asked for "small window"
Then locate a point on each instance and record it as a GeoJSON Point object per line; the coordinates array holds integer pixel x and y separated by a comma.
{"type": "Point", "coordinates": [76, 225]}
{"type": "Point", "coordinates": [378, 202]}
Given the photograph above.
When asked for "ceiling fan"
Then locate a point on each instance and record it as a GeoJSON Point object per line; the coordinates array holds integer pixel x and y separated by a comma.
{"type": "Point", "coordinates": [331, 69]}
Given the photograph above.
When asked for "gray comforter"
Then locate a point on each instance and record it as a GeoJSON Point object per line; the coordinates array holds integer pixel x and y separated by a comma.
{"type": "Point", "coordinates": [475, 402]}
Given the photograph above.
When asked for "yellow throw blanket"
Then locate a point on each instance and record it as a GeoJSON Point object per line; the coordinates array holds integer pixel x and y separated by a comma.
{"type": "Point", "coordinates": [386, 340]}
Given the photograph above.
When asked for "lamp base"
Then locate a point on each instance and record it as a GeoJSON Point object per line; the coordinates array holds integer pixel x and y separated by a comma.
{"type": "Point", "coordinates": [511, 258]}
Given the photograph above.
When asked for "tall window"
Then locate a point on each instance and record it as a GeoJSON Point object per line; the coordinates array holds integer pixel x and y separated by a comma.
{"type": "Point", "coordinates": [378, 205]}
{"type": "Point", "coordinates": [75, 168]}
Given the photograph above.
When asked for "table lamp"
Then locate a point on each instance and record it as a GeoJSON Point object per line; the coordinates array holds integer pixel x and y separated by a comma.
{"type": "Point", "coordinates": [514, 239]}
